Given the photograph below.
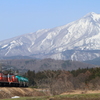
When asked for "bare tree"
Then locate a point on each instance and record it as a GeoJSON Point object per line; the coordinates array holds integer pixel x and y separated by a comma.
{"type": "Point", "coordinates": [56, 82]}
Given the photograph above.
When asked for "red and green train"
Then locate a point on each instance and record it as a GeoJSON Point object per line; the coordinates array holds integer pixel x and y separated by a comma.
{"type": "Point", "coordinates": [13, 80]}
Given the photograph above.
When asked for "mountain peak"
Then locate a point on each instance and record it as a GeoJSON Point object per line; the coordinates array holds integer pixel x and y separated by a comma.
{"type": "Point", "coordinates": [93, 15]}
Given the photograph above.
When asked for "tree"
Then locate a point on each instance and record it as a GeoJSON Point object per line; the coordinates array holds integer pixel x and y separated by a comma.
{"type": "Point", "coordinates": [31, 76]}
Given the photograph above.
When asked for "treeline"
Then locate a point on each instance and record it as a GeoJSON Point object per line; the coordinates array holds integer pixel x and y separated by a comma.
{"type": "Point", "coordinates": [94, 72]}
{"type": "Point", "coordinates": [60, 81]}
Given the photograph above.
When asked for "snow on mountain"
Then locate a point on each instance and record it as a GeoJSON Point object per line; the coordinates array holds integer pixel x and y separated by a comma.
{"type": "Point", "coordinates": [78, 40]}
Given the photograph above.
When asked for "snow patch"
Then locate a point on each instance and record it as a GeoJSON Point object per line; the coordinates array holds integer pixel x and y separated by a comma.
{"type": "Point", "coordinates": [4, 46]}
{"type": "Point", "coordinates": [15, 97]}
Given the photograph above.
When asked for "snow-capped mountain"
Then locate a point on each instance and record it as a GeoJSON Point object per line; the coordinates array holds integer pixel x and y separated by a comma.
{"type": "Point", "coordinates": [78, 40]}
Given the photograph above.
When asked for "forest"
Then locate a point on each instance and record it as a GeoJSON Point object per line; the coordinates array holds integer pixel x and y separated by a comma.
{"type": "Point", "coordinates": [60, 81]}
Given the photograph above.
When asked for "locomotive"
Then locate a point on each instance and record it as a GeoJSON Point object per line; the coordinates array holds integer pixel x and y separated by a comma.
{"type": "Point", "coordinates": [13, 80]}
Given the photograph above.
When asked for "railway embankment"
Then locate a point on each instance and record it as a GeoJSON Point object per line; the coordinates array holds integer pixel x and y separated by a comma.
{"type": "Point", "coordinates": [9, 92]}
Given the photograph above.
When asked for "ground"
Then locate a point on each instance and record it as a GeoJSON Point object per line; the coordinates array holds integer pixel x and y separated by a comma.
{"type": "Point", "coordinates": [8, 92]}
{"type": "Point", "coordinates": [81, 92]}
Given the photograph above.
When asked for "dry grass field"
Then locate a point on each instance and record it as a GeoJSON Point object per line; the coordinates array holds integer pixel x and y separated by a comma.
{"type": "Point", "coordinates": [81, 92]}
{"type": "Point", "coordinates": [8, 92]}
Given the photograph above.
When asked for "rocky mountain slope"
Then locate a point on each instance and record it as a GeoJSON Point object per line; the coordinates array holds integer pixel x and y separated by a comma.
{"type": "Point", "coordinates": [78, 40]}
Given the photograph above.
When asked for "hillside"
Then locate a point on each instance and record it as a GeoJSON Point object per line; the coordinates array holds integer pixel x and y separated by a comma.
{"type": "Point", "coordinates": [44, 64]}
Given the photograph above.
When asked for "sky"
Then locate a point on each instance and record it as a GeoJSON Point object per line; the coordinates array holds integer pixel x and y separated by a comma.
{"type": "Point", "coordinates": [18, 17]}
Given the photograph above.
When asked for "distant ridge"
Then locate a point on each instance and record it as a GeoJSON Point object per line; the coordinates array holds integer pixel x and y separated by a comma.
{"type": "Point", "coordinates": [95, 61]}
{"type": "Point", "coordinates": [23, 65]}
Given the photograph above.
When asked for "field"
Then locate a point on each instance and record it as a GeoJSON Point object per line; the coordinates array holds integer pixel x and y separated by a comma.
{"type": "Point", "coordinates": [71, 95]}
{"type": "Point", "coordinates": [63, 97]}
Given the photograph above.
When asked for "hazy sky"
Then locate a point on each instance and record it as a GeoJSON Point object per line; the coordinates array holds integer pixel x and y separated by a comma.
{"type": "Point", "coordinates": [18, 17]}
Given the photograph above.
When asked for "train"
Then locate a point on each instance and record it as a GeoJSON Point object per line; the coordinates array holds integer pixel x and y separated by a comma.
{"type": "Point", "coordinates": [11, 80]}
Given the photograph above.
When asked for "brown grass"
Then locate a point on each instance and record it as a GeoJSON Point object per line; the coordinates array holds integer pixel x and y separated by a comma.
{"type": "Point", "coordinates": [81, 92]}
{"type": "Point", "coordinates": [8, 92]}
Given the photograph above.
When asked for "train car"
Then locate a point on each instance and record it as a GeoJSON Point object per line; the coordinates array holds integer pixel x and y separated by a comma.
{"type": "Point", "coordinates": [13, 80]}
{"type": "Point", "coordinates": [3, 79]}
{"type": "Point", "coordinates": [22, 81]}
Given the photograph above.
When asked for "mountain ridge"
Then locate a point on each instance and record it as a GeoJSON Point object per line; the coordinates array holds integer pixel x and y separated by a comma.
{"type": "Point", "coordinates": [81, 37]}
